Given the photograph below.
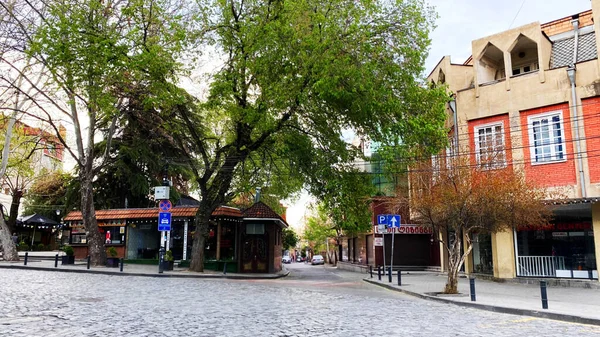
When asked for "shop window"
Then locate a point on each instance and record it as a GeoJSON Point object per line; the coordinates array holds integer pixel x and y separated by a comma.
{"type": "Point", "coordinates": [524, 56]}
{"type": "Point", "coordinates": [255, 228]}
{"type": "Point", "coordinates": [489, 146]}
{"type": "Point", "coordinates": [227, 244]}
{"type": "Point", "coordinates": [546, 138]}
{"type": "Point", "coordinates": [113, 235]}
{"type": "Point", "coordinates": [491, 65]}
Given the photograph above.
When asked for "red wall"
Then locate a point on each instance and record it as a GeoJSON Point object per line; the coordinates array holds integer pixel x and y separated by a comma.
{"type": "Point", "coordinates": [552, 174]}
{"type": "Point", "coordinates": [591, 122]}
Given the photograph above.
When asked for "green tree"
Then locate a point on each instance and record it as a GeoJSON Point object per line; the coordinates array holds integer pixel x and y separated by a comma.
{"type": "Point", "coordinates": [92, 54]}
{"type": "Point", "coordinates": [318, 229]}
{"type": "Point", "coordinates": [51, 192]}
{"type": "Point", "coordinates": [290, 238]}
{"type": "Point", "coordinates": [295, 75]}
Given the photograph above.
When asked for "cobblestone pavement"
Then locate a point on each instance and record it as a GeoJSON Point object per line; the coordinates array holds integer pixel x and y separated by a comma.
{"type": "Point", "coordinates": [313, 301]}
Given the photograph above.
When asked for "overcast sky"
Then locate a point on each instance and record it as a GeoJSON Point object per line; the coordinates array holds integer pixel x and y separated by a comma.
{"type": "Point", "coordinates": [462, 21]}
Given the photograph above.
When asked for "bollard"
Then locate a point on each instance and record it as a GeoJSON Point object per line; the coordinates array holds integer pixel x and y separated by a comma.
{"type": "Point", "coordinates": [56, 261]}
{"type": "Point", "coordinates": [88, 261]}
{"type": "Point", "coordinates": [371, 271]}
{"type": "Point", "coordinates": [161, 254]}
{"type": "Point", "coordinates": [378, 272]}
{"type": "Point", "coordinates": [26, 256]}
{"type": "Point", "coordinates": [121, 265]}
{"type": "Point", "coordinates": [399, 278]}
{"type": "Point", "coordinates": [225, 268]}
{"type": "Point", "coordinates": [544, 295]}
{"type": "Point", "coordinates": [390, 274]}
{"type": "Point", "coordinates": [472, 284]}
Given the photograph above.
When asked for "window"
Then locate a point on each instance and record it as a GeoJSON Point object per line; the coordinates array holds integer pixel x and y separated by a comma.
{"type": "Point", "coordinates": [451, 152]}
{"type": "Point", "coordinates": [435, 166]}
{"type": "Point", "coordinates": [526, 68]}
{"type": "Point", "coordinates": [489, 146]}
{"type": "Point", "coordinates": [255, 228]}
{"type": "Point", "coordinates": [546, 138]}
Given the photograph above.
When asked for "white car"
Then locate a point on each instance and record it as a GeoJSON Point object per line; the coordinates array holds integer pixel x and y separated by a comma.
{"type": "Point", "coordinates": [286, 259]}
{"type": "Point", "coordinates": [317, 259]}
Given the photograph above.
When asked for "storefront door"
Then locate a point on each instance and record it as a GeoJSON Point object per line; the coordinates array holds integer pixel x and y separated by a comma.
{"type": "Point", "coordinates": [254, 254]}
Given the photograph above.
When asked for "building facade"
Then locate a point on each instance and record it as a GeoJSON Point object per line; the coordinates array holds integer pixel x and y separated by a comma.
{"type": "Point", "coordinates": [248, 241]}
{"type": "Point", "coordinates": [528, 99]}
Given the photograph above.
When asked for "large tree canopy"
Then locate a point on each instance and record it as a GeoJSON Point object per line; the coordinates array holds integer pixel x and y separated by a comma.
{"type": "Point", "coordinates": [295, 75]}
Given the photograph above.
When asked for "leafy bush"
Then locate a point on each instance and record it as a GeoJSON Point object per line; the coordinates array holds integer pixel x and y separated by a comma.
{"type": "Point", "coordinates": [68, 250]}
{"type": "Point", "coordinates": [112, 252]}
{"type": "Point", "coordinates": [169, 255]}
{"type": "Point", "coordinates": [40, 247]}
{"type": "Point", "coordinates": [23, 246]}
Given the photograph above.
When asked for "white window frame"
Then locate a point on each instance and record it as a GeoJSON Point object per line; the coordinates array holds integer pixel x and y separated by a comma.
{"type": "Point", "coordinates": [435, 166]}
{"type": "Point", "coordinates": [451, 152]}
{"type": "Point", "coordinates": [554, 153]}
{"type": "Point", "coordinates": [494, 164]}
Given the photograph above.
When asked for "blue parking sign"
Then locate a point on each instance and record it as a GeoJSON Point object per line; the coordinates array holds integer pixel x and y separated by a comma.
{"type": "Point", "coordinates": [164, 221]}
{"type": "Point", "coordinates": [382, 219]}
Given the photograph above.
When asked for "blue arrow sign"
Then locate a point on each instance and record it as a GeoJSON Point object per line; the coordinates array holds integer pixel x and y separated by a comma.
{"type": "Point", "coordinates": [393, 220]}
{"type": "Point", "coordinates": [382, 219]}
{"type": "Point", "coordinates": [164, 221]}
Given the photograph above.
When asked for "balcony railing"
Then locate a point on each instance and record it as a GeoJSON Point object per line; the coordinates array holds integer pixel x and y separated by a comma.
{"type": "Point", "coordinates": [539, 266]}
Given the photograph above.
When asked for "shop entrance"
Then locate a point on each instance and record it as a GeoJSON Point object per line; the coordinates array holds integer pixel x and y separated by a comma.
{"type": "Point", "coordinates": [254, 254]}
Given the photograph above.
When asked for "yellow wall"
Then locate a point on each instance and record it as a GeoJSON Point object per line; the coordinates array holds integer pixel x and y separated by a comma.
{"type": "Point", "coordinates": [596, 228]}
{"type": "Point", "coordinates": [503, 251]}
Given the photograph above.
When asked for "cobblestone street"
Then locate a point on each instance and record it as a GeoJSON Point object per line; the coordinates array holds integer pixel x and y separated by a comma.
{"type": "Point", "coordinates": [312, 301]}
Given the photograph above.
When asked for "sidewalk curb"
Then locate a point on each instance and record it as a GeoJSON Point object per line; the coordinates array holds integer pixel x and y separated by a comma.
{"type": "Point", "coordinates": [101, 272]}
{"type": "Point", "coordinates": [493, 308]}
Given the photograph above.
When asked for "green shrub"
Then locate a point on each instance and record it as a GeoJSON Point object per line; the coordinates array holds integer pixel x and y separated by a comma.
{"type": "Point", "coordinates": [68, 250]}
{"type": "Point", "coordinates": [40, 247]}
{"type": "Point", "coordinates": [112, 252]}
{"type": "Point", "coordinates": [23, 246]}
{"type": "Point", "coordinates": [169, 255]}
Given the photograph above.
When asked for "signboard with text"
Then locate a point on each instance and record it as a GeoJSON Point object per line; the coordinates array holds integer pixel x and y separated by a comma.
{"type": "Point", "coordinates": [404, 229]}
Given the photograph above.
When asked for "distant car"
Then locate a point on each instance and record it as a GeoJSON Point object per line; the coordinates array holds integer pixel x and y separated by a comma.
{"type": "Point", "coordinates": [318, 259]}
{"type": "Point", "coordinates": [286, 259]}
{"type": "Point", "coordinates": [299, 259]}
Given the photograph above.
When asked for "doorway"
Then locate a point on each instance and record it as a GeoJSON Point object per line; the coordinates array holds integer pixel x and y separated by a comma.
{"type": "Point", "coordinates": [255, 254]}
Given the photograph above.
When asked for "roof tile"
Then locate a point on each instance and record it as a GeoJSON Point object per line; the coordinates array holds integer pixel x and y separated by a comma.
{"type": "Point", "coordinates": [147, 213]}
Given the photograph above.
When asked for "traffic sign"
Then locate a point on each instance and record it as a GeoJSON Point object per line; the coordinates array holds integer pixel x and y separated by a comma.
{"type": "Point", "coordinates": [165, 205]}
{"type": "Point", "coordinates": [393, 220]}
{"type": "Point", "coordinates": [382, 219]}
{"type": "Point", "coordinates": [164, 221]}
{"type": "Point", "coordinates": [381, 229]}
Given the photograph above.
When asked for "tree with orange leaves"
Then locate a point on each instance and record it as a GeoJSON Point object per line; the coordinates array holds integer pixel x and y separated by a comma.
{"type": "Point", "coordinates": [463, 198]}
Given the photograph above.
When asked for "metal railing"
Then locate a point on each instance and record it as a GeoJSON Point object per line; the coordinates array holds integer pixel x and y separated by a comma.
{"type": "Point", "coordinates": [539, 266]}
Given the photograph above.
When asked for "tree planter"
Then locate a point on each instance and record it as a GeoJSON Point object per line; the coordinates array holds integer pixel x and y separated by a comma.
{"type": "Point", "coordinates": [167, 265]}
{"type": "Point", "coordinates": [112, 262]}
{"type": "Point", "coordinates": [68, 259]}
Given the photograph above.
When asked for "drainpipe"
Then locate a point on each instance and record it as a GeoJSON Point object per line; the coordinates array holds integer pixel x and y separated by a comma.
{"type": "Point", "coordinates": [452, 104]}
{"type": "Point", "coordinates": [574, 110]}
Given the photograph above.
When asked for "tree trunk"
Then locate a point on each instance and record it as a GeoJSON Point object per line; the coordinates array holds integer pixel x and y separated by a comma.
{"type": "Point", "coordinates": [454, 263]}
{"type": "Point", "coordinates": [9, 249]}
{"type": "Point", "coordinates": [202, 221]}
{"type": "Point", "coordinates": [452, 283]}
{"type": "Point", "coordinates": [95, 241]}
{"type": "Point", "coordinates": [14, 210]}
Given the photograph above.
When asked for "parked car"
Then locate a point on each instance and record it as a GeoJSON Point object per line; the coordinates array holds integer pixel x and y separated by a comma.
{"type": "Point", "coordinates": [318, 259]}
{"type": "Point", "coordinates": [286, 259]}
{"type": "Point", "coordinates": [299, 258]}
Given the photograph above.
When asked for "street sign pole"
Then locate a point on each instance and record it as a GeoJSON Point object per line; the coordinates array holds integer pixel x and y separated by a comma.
{"type": "Point", "coordinates": [383, 236]}
{"type": "Point", "coordinates": [392, 253]}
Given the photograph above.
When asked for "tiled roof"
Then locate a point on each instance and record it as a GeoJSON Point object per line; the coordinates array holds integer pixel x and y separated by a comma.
{"type": "Point", "coordinates": [562, 50]}
{"type": "Point", "coordinates": [261, 211]}
{"type": "Point", "coordinates": [148, 213]}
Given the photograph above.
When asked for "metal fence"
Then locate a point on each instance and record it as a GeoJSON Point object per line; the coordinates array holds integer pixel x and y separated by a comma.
{"type": "Point", "coordinates": [539, 266]}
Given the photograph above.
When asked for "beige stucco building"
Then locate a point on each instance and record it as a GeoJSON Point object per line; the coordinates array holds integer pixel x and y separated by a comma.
{"type": "Point", "coordinates": [530, 96]}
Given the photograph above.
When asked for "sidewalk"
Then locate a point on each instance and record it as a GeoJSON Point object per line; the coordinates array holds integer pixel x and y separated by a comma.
{"type": "Point", "coordinates": [41, 262]}
{"type": "Point", "coordinates": [566, 304]}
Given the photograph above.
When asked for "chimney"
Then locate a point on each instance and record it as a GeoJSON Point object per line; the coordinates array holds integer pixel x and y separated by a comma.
{"type": "Point", "coordinates": [257, 196]}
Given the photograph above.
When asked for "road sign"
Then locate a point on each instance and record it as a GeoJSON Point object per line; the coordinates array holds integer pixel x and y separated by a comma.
{"type": "Point", "coordinates": [378, 242]}
{"type": "Point", "coordinates": [164, 221]}
{"type": "Point", "coordinates": [165, 205]}
{"type": "Point", "coordinates": [382, 219]}
{"type": "Point", "coordinates": [393, 220]}
{"type": "Point", "coordinates": [381, 229]}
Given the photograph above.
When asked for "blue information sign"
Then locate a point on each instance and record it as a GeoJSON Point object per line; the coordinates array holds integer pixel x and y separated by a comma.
{"type": "Point", "coordinates": [164, 221]}
{"type": "Point", "coordinates": [393, 220]}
